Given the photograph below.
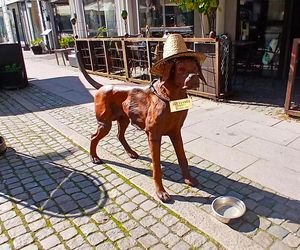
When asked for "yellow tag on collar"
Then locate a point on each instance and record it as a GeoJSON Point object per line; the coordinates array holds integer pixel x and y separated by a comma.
{"type": "Point", "coordinates": [181, 104]}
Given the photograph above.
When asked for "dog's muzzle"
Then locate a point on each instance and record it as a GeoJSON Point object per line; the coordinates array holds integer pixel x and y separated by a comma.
{"type": "Point", "coordinates": [192, 81]}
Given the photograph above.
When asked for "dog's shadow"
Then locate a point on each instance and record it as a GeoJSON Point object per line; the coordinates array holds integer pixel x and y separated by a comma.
{"type": "Point", "coordinates": [259, 202]}
{"type": "Point", "coordinates": [48, 186]}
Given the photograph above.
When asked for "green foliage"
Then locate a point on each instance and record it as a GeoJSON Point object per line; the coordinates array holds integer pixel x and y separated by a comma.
{"type": "Point", "coordinates": [10, 68]}
{"type": "Point", "coordinates": [101, 32]}
{"type": "Point", "coordinates": [36, 41]}
{"type": "Point", "coordinates": [66, 42]}
{"type": "Point", "coordinates": [202, 6]}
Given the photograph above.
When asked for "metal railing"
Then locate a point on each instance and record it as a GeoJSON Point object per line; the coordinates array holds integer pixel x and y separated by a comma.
{"type": "Point", "coordinates": [130, 59]}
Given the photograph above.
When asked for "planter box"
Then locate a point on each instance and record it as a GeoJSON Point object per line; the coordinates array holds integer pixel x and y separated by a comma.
{"type": "Point", "coordinates": [10, 54]}
{"type": "Point", "coordinates": [37, 50]}
{"type": "Point", "coordinates": [12, 80]}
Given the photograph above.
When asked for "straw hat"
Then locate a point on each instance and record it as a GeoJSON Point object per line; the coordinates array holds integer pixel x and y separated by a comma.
{"type": "Point", "coordinates": [174, 47]}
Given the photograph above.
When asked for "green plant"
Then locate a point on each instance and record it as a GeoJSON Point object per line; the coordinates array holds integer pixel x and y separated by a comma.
{"type": "Point", "coordinates": [36, 41]}
{"type": "Point", "coordinates": [11, 68]}
{"type": "Point", "coordinates": [66, 41]}
{"type": "Point", "coordinates": [101, 32]}
{"type": "Point", "coordinates": [206, 7]}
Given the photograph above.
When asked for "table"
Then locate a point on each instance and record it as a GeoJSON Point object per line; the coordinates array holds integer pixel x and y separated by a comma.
{"type": "Point", "coordinates": [63, 54]}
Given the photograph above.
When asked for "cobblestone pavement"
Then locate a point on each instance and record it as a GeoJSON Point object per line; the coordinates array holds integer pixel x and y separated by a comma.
{"type": "Point", "coordinates": [129, 216]}
{"type": "Point", "coordinates": [53, 197]}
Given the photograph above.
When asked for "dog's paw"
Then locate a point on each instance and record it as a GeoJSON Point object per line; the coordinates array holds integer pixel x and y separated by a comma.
{"type": "Point", "coordinates": [96, 160]}
{"type": "Point", "coordinates": [132, 154]}
{"type": "Point", "coordinates": [191, 181]}
{"type": "Point", "coordinates": [163, 196]}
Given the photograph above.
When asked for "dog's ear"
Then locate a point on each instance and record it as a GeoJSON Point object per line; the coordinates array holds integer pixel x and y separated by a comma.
{"type": "Point", "coordinates": [168, 70]}
{"type": "Point", "coordinates": [201, 74]}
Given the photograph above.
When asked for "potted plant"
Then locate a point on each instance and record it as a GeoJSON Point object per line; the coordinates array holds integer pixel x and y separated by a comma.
{"type": "Point", "coordinates": [12, 76]}
{"type": "Point", "coordinates": [36, 46]}
{"type": "Point", "coordinates": [102, 32]}
{"type": "Point", "coordinates": [66, 42]}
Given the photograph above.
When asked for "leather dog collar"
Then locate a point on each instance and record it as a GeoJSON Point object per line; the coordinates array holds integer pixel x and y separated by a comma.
{"type": "Point", "coordinates": [154, 91]}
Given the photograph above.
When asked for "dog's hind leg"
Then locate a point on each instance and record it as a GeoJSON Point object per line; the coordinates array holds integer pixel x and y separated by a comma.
{"type": "Point", "coordinates": [122, 126]}
{"type": "Point", "coordinates": [102, 130]}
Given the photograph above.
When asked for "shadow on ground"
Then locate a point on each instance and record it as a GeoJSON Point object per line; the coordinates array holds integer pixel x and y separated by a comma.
{"type": "Point", "coordinates": [48, 187]}
{"type": "Point", "coordinates": [260, 203]}
{"type": "Point", "coordinates": [38, 93]}
{"type": "Point", "coordinates": [259, 91]}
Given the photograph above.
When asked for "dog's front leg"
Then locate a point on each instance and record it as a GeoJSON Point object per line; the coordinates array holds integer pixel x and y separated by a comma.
{"type": "Point", "coordinates": [154, 145]}
{"type": "Point", "coordinates": [178, 146]}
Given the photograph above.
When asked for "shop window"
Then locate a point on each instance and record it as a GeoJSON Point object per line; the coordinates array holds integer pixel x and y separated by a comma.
{"type": "Point", "coordinates": [163, 13]}
{"type": "Point", "coordinates": [62, 18]}
{"type": "Point", "coordinates": [3, 36]}
{"type": "Point", "coordinates": [261, 22]}
{"type": "Point", "coordinates": [100, 14]}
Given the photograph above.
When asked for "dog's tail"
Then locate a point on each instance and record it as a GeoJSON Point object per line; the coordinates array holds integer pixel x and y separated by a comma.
{"type": "Point", "coordinates": [91, 81]}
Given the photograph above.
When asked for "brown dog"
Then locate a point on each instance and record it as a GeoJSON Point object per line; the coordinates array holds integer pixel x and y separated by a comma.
{"type": "Point", "coordinates": [147, 107]}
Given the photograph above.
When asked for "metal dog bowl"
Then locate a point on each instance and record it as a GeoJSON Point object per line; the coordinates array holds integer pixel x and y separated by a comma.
{"type": "Point", "coordinates": [226, 208]}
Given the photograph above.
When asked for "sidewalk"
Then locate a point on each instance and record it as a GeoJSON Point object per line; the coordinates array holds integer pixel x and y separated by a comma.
{"type": "Point", "coordinates": [231, 151]}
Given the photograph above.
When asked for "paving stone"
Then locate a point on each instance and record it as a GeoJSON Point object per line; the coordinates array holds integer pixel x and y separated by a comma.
{"type": "Point", "coordinates": [138, 214]}
{"type": "Point", "coordinates": [278, 231]}
{"type": "Point", "coordinates": [148, 221]}
{"type": "Point", "coordinates": [32, 217]}
{"type": "Point", "coordinates": [180, 229]}
{"type": "Point", "coordinates": [81, 220]}
{"type": "Point", "coordinates": [115, 234]}
{"type": "Point", "coordinates": [16, 231]}
{"type": "Point", "coordinates": [158, 212]}
{"type": "Point", "coordinates": [129, 206]}
{"type": "Point", "coordinates": [43, 233]}
{"type": "Point", "coordinates": [50, 242]}
{"type": "Point", "coordinates": [87, 229]}
{"type": "Point", "coordinates": [14, 222]}
{"type": "Point", "coordinates": [31, 247]}
{"type": "Point", "coordinates": [138, 232]}
{"type": "Point", "coordinates": [160, 230]}
{"type": "Point", "coordinates": [264, 223]}
{"type": "Point", "coordinates": [106, 246]}
{"type": "Point", "coordinates": [37, 225]}
{"type": "Point", "coordinates": [181, 246]}
{"type": "Point", "coordinates": [131, 224]}
{"type": "Point", "coordinates": [101, 217]}
{"type": "Point", "coordinates": [5, 246]}
{"type": "Point", "coordinates": [169, 220]}
{"type": "Point", "coordinates": [290, 226]}
{"type": "Point", "coordinates": [159, 247]}
{"type": "Point", "coordinates": [170, 239]}
{"type": "Point", "coordinates": [195, 239]}
{"type": "Point", "coordinates": [148, 205]}
{"type": "Point", "coordinates": [209, 246]}
{"type": "Point", "coordinates": [107, 226]}
{"type": "Point", "coordinates": [126, 243]}
{"type": "Point", "coordinates": [147, 241]}
{"type": "Point", "coordinates": [278, 245]}
{"type": "Point", "coordinates": [68, 233]}
{"type": "Point", "coordinates": [22, 241]}
{"type": "Point", "coordinates": [61, 226]}
{"type": "Point", "coordinates": [75, 242]}
{"type": "Point", "coordinates": [139, 199]}
{"type": "Point", "coordinates": [264, 239]}
{"type": "Point", "coordinates": [291, 240]}
{"type": "Point", "coordinates": [3, 239]}
{"type": "Point", "coordinates": [96, 238]}
{"type": "Point", "coordinates": [8, 215]}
